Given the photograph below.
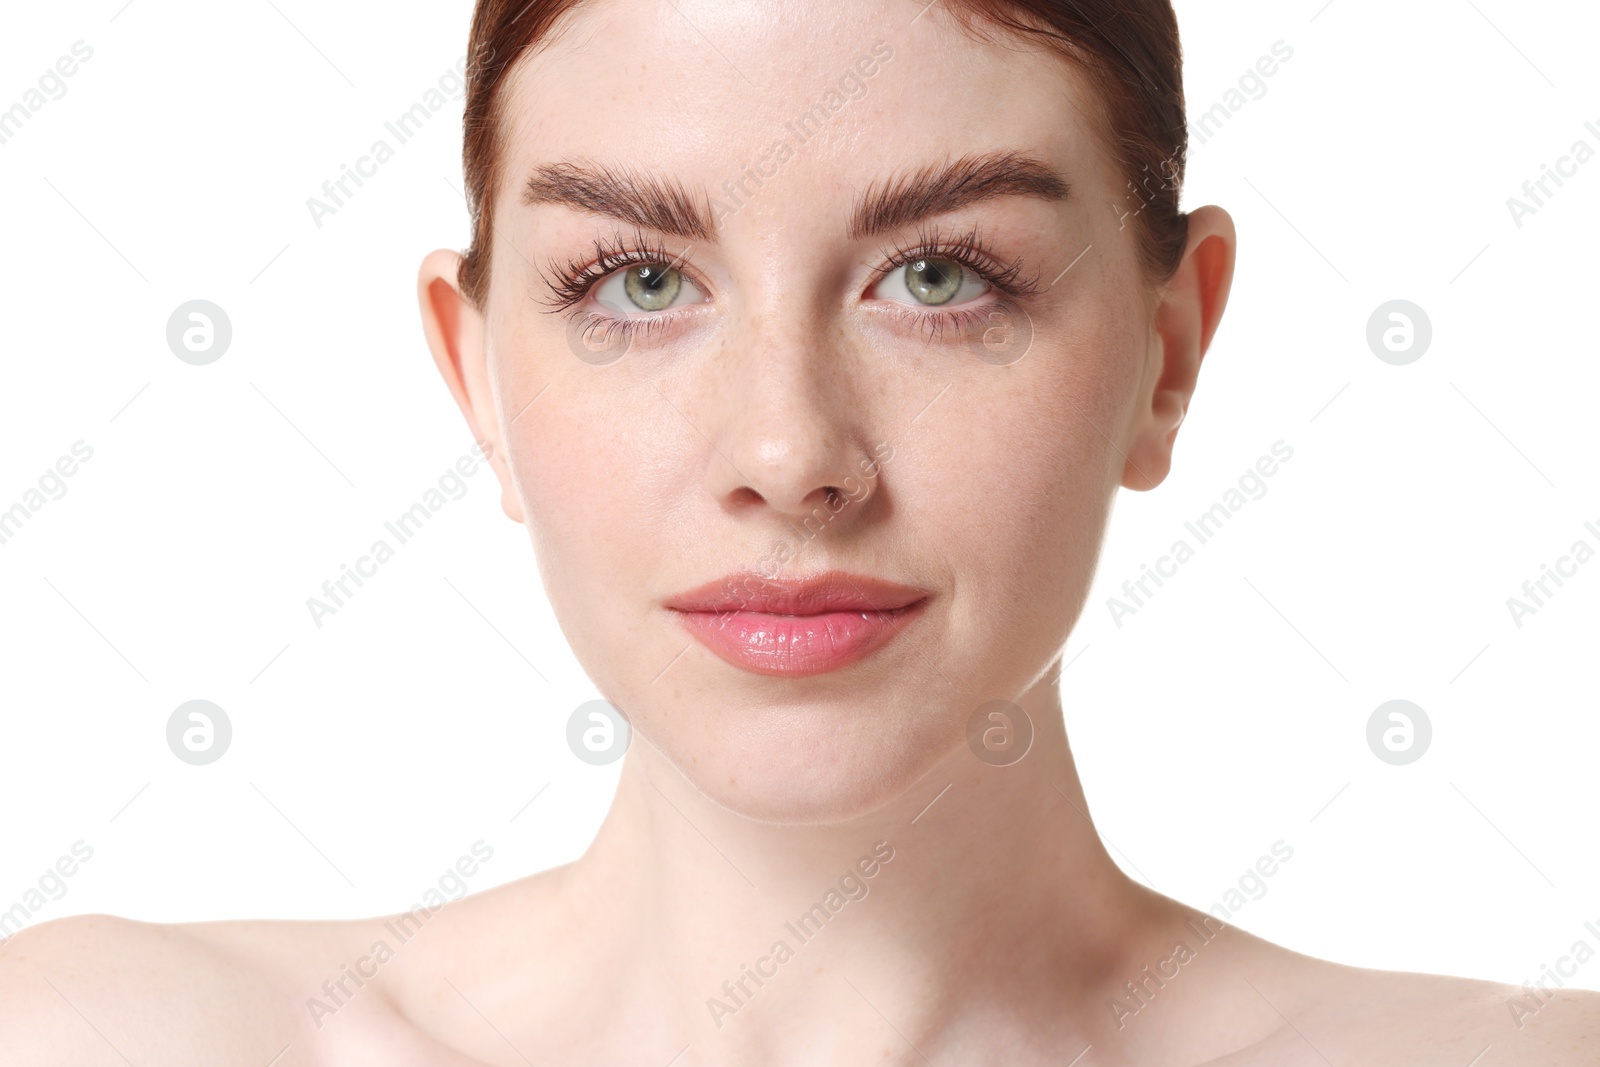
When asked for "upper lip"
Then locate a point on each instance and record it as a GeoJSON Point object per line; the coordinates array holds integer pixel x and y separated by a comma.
{"type": "Point", "coordinates": [817, 594]}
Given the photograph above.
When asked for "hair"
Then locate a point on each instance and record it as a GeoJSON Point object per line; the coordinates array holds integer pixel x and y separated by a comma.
{"type": "Point", "coordinates": [1128, 50]}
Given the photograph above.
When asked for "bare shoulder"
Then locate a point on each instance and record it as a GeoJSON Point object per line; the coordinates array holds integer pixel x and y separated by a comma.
{"type": "Point", "coordinates": [1562, 1027]}
{"type": "Point", "coordinates": [96, 989]}
{"type": "Point", "coordinates": [1419, 1014]}
{"type": "Point", "coordinates": [1331, 1013]}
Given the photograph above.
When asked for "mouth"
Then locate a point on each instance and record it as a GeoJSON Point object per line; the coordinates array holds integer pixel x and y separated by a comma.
{"type": "Point", "coordinates": [797, 627]}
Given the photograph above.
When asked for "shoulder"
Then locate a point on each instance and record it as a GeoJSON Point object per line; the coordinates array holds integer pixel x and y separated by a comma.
{"type": "Point", "coordinates": [1283, 1007]}
{"type": "Point", "coordinates": [78, 989]}
{"type": "Point", "coordinates": [1357, 1015]}
{"type": "Point", "coordinates": [1501, 1023]}
{"type": "Point", "coordinates": [97, 989]}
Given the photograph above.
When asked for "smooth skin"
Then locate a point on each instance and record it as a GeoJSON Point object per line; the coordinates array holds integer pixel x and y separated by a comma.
{"type": "Point", "coordinates": [1000, 931]}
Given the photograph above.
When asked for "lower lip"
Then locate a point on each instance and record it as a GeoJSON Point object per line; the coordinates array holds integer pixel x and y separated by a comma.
{"type": "Point", "coordinates": [793, 646]}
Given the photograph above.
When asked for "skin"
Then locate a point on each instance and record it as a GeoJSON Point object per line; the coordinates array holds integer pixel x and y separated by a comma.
{"type": "Point", "coordinates": [1000, 931]}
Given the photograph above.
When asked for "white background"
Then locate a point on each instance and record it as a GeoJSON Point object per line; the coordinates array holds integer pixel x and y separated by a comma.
{"type": "Point", "coordinates": [1227, 714]}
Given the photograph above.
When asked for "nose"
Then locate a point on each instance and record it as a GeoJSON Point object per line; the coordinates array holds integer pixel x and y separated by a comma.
{"type": "Point", "coordinates": [790, 435]}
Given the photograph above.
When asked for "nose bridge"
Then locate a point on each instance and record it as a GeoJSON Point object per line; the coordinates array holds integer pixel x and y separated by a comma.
{"type": "Point", "coordinates": [791, 426]}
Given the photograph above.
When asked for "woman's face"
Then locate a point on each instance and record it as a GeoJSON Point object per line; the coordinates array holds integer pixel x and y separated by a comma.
{"type": "Point", "coordinates": [804, 389]}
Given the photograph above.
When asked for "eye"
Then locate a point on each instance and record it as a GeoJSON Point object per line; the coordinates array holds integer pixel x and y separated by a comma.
{"type": "Point", "coordinates": [646, 287]}
{"type": "Point", "coordinates": [932, 281]}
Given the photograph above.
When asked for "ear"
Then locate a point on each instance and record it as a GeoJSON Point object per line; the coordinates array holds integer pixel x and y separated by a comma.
{"type": "Point", "coordinates": [1185, 321]}
{"type": "Point", "coordinates": [456, 336]}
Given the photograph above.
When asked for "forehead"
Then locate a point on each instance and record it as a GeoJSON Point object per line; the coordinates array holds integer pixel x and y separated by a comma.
{"type": "Point", "coordinates": [842, 93]}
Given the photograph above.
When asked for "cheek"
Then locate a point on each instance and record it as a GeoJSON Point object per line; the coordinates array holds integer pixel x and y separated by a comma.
{"type": "Point", "coordinates": [586, 491]}
{"type": "Point", "coordinates": [1020, 483]}
{"type": "Point", "coordinates": [580, 462]}
{"type": "Point", "coordinates": [595, 540]}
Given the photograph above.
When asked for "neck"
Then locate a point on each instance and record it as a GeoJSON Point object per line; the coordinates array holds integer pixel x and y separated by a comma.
{"type": "Point", "coordinates": [981, 890]}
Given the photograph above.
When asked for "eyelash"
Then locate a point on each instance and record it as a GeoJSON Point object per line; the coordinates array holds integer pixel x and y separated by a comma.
{"type": "Point", "coordinates": [572, 282]}
{"type": "Point", "coordinates": [974, 253]}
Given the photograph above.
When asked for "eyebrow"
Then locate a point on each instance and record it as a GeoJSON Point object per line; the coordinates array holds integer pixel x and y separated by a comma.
{"type": "Point", "coordinates": [666, 206]}
{"type": "Point", "coordinates": [939, 188]}
{"type": "Point", "coordinates": [648, 202]}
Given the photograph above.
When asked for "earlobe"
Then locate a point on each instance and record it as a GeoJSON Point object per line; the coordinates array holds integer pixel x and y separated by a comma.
{"type": "Point", "coordinates": [1184, 324]}
{"type": "Point", "coordinates": [454, 328]}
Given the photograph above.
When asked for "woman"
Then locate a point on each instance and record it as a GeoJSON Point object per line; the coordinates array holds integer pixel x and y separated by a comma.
{"type": "Point", "coordinates": [811, 344]}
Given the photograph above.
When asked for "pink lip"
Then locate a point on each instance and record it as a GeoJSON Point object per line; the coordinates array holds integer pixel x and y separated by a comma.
{"type": "Point", "coordinates": [793, 628]}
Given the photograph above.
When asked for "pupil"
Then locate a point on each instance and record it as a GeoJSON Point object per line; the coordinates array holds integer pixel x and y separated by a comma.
{"type": "Point", "coordinates": [652, 287]}
{"type": "Point", "coordinates": [931, 283]}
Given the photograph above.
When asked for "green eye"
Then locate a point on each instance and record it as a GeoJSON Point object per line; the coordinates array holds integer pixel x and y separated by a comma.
{"type": "Point", "coordinates": [652, 287]}
{"type": "Point", "coordinates": [934, 281]}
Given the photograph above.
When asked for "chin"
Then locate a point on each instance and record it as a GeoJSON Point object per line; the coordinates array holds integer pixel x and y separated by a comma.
{"type": "Point", "coordinates": [811, 764]}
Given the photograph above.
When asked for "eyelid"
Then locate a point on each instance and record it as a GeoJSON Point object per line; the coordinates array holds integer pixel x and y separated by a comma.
{"type": "Point", "coordinates": [935, 322]}
{"type": "Point", "coordinates": [617, 280]}
{"type": "Point", "coordinates": [897, 281]}
{"type": "Point", "coordinates": [972, 251]}
{"type": "Point", "coordinates": [575, 281]}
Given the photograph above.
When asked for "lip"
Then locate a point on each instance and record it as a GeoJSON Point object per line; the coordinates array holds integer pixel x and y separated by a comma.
{"type": "Point", "coordinates": [792, 627]}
